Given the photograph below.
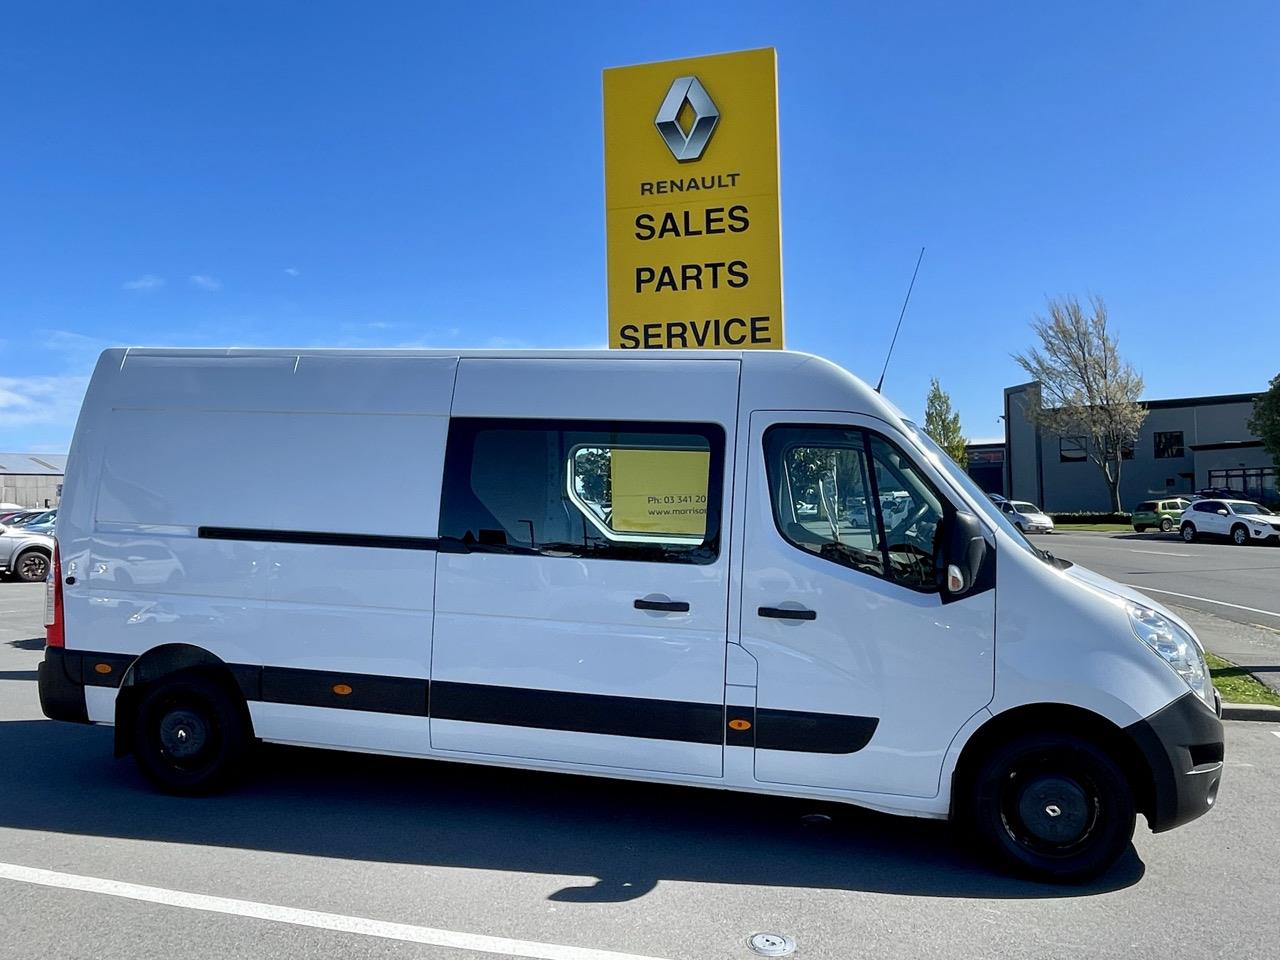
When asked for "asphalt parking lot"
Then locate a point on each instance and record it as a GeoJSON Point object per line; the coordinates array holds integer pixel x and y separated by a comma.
{"type": "Point", "coordinates": [326, 855]}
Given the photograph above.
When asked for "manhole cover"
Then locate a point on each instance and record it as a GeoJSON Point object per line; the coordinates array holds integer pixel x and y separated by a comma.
{"type": "Point", "coordinates": [772, 945]}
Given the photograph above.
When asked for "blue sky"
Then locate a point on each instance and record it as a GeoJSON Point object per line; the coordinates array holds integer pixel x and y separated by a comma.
{"type": "Point", "coordinates": [383, 174]}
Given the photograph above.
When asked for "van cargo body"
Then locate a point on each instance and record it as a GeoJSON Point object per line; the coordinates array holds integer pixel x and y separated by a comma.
{"type": "Point", "coordinates": [736, 570]}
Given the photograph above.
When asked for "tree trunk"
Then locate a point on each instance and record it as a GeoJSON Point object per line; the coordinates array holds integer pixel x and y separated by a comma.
{"type": "Point", "coordinates": [1115, 487]}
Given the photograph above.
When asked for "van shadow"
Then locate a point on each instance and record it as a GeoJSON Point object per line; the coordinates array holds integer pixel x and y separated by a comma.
{"type": "Point", "coordinates": [630, 836]}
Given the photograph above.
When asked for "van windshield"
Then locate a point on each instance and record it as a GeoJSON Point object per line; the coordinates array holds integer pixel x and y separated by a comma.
{"type": "Point", "coordinates": [938, 457]}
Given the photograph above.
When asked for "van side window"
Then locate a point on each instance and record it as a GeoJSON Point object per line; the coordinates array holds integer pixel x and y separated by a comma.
{"type": "Point", "coordinates": [855, 499]}
{"type": "Point", "coordinates": [602, 490]}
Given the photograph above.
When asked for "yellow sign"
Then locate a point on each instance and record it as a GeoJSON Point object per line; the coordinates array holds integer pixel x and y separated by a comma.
{"type": "Point", "coordinates": [691, 203]}
{"type": "Point", "coordinates": [659, 491]}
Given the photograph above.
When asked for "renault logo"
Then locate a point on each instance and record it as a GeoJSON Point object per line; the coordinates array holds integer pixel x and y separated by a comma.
{"type": "Point", "coordinates": [687, 146]}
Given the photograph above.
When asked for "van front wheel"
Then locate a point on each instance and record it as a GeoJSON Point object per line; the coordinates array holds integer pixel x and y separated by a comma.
{"type": "Point", "coordinates": [1053, 806]}
{"type": "Point", "coordinates": [190, 735]}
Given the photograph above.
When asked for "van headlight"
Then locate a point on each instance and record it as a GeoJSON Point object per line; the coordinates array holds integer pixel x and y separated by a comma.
{"type": "Point", "coordinates": [1174, 646]}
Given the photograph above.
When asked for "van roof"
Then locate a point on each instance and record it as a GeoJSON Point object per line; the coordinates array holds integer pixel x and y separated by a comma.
{"type": "Point", "coordinates": [797, 380]}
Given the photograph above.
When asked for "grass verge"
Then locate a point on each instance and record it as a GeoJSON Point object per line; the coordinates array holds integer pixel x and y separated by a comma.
{"type": "Point", "coordinates": [1238, 685]}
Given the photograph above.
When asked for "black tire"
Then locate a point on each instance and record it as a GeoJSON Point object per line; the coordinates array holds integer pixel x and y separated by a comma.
{"type": "Point", "coordinates": [191, 734]}
{"type": "Point", "coordinates": [1138, 529]}
{"type": "Point", "coordinates": [32, 566]}
{"type": "Point", "coordinates": [1166, 525]}
{"type": "Point", "coordinates": [1189, 532]}
{"type": "Point", "coordinates": [1053, 806]}
{"type": "Point", "coordinates": [1240, 535]}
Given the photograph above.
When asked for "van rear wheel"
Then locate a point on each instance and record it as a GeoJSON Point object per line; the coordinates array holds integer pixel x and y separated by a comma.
{"type": "Point", "coordinates": [190, 735]}
{"type": "Point", "coordinates": [1054, 807]}
{"type": "Point", "coordinates": [1166, 525]}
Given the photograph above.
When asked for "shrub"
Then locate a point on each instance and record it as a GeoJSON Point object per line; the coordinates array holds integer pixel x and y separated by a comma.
{"type": "Point", "coordinates": [1090, 517]}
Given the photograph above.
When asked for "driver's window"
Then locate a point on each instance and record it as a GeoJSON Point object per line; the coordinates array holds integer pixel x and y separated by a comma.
{"type": "Point", "coordinates": [912, 513]}
{"type": "Point", "coordinates": [853, 499]}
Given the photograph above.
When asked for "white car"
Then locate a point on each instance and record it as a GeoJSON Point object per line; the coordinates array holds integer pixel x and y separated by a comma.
{"type": "Point", "coordinates": [1027, 517]}
{"type": "Point", "coordinates": [1244, 522]}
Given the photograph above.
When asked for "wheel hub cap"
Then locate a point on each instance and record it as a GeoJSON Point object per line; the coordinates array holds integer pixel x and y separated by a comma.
{"type": "Point", "coordinates": [182, 734]}
{"type": "Point", "coordinates": [1054, 810]}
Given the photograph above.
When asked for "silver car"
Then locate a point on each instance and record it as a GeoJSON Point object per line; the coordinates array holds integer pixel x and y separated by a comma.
{"type": "Point", "coordinates": [24, 554]}
{"type": "Point", "coordinates": [1027, 517]}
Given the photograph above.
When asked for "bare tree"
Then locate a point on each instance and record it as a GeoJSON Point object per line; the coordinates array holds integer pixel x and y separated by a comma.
{"type": "Point", "coordinates": [1086, 389]}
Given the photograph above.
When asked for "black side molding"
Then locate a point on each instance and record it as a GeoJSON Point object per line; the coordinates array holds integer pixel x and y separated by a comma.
{"type": "Point", "coordinates": [379, 540]}
{"type": "Point", "coordinates": [798, 730]}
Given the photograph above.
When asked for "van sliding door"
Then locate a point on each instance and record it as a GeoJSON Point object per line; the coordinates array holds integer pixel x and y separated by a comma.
{"type": "Point", "coordinates": [582, 577]}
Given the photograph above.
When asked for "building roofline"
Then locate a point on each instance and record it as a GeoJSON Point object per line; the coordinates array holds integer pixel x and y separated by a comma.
{"type": "Point", "coordinates": [1210, 401]}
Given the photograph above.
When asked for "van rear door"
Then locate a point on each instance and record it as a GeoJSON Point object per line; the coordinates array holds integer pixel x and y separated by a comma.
{"type": "Point", "coordinates": [582, 576]}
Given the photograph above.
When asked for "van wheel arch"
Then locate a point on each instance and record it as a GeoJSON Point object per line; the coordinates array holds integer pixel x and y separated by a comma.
{"type": "Point", "coordinates": [159, 663]}
{"type": "Point", "coordinates": [1051, 718]}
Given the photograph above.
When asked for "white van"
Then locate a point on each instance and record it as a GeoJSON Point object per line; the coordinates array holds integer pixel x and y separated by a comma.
{"type": "Point", "coordinates": [668, 567]}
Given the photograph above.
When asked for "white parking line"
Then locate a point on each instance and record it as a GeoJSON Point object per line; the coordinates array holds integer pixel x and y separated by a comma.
{"type": "Point", "coordinates": [1276, 732]}
{"type": "Point", "coordinates": [407, 933]}
{"type": "Point", "coordinates": [1186, 596]}
{"type": "Point", "coordinates": [1164, 553]}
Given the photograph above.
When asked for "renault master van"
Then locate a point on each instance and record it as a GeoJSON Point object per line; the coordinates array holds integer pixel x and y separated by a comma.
{"type": "Point", "coordinates": [734, 570]}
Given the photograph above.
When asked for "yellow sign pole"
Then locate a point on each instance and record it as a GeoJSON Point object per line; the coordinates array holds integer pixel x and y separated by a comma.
{"type": "Point", "coordinates": [691, 203]}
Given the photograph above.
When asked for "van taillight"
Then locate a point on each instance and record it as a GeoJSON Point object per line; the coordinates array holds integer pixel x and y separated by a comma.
{"type": "Point", "coordinates": [54, 636]}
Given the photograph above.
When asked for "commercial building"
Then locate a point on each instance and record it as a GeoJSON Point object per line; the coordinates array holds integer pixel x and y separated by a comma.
{"type": "Point", "coordinates": [1183, 445]}
{"type": "Point", "coordinates": [32, 479]}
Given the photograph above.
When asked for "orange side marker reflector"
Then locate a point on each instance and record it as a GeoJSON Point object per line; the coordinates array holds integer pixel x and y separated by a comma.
{"type": "Point", "coordinates": [739, 724]}
{"type": "Point", "coordinates": [102, 667]}
{"type": "Point", "coordinates": [341, 689]}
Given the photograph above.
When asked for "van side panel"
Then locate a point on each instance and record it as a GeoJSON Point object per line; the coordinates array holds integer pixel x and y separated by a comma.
{"type": "Point", "coordinates": [213, 469]}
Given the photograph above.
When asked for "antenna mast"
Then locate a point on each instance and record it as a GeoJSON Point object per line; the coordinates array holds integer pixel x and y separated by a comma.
{"type": "Point", "coordinates": [902, 314]}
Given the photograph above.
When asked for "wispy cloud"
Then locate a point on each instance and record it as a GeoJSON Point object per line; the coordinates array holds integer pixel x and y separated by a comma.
{"type": "Point", "coordinates": [146, 282]}
{"type": "Point", "coordinates": [49, 400]}
{"type": "Point", "coordinates": [293, 271]}
{"type": "Point", "coordinates": [204, 282]}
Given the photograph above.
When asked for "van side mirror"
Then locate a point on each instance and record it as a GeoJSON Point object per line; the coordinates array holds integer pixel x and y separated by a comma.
{"type": "Point", "coordinates": [964, 555]}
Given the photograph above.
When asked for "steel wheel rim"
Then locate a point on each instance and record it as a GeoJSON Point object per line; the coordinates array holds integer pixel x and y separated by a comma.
{"type": "Point", "coordinates": [1049, 807]}
{"type": "Point", "coordinates": [187, 736]}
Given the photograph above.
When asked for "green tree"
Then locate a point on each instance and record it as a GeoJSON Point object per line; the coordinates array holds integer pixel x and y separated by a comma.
{"type": "Point", "coordinates": [943, 424]}
{"type": "Point", "coordinates": [1265, 421]}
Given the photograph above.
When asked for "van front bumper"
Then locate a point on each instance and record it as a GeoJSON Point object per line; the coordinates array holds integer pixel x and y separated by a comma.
{"type": "Point", "coordinates": [1183, 747]}
{"type": "Point", "coordinates": [61, 686]}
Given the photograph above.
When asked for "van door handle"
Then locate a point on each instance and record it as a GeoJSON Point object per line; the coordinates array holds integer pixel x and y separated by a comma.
{"type": "Point", "coordinates": [787, 613]}
{"type": "Point", "coordinates": [666, 606]}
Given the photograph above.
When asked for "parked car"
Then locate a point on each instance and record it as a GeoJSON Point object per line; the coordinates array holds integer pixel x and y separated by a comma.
{"type": "Point", "coordinates": [41, 522]}
{"type": "Point", "coordinates": [1242, 521]}
{"type": "Point", "coordinates": [16, 518]}
{"type": "Point", "coordinates": [1027, 517]}
{"type": "Point", "coordinates": [24, 554]}
{"type": "Point", "coordinates": [1222, 493]}
{"type": "Point", "coordinates": [488, 612]}
{"type": "Point", "coordinates": [1164, 514]}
